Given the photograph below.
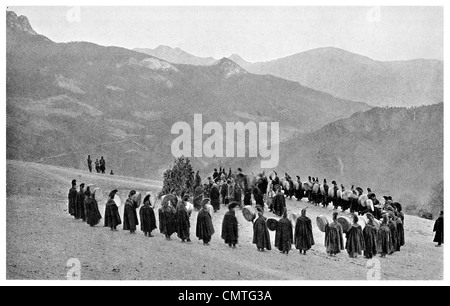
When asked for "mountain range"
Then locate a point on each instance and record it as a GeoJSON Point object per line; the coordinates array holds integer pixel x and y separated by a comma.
{"type": "Point", "coordinates": [68, 100]}
{"type": "Point", "coordinates": [343, 74]}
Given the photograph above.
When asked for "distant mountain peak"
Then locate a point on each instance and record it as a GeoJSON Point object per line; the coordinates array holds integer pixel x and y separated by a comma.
{"type": "Point", "coordinates": [238, 60]}
{"type": "Point", "coordinates": [18, 23]}
{"type": "Point", "coordinates": [229, 68]}
{"type": "Point", "coordinates": [176, 56]}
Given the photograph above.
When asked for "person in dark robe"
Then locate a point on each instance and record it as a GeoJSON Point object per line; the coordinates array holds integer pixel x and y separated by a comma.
{"type": "Point", "coordinates": [370, 237]}
{"type": "Point", "coordinates": [354, 203]}
{"type": "Point", "coordinates": [284, 237]}
{"type": "Point", "coordinates": [167, 218]}
{"type": "Point", "coordinates": [198, 197]}
{"type": "Point", "coordinates": [183, 224]}
{"type": "Point", "coordinates": [204, 229]}
{"type": "Point", "coordinates": [240, 178]}
{"type": "Point", "coordinates": [400, 229]}
{"type": "Point", "coordinates": [102, 165]}
{"type": "Point", "coordinates": [112, 217]}
{"type": "Point", "coordinates": [97, 166]}
{"type": "Point", "coordinates": [377, 211]}
{"type": "Point", "coordinates": [89, 162]}
{"type": "Point", "coordinates": [147, 216]}
{"type": "Point", "coordinates": [345, 204]}
{"type": "Point", "coordinates": [336, 199]}
{"type": "Point", "coordinates": [216, 175]}
{"type": "Point", "coordinates": [261, 235]}
{"type": "Point", "coordinates": [398, 211]}
{"type": "Point", "coordinates": [80, 212]}
{"type": "Point", "coordinates": [93, 215]}
{"type": "Point", "coordinates": [299, 191]}
{"type": "Point", "coordinates": [315, 192]}
{"type": "Point", "coordinates": [214, 196]}
{"type": "Point", "coordinates": [355, 243]}
{"type": "Point", "coordinates": [325, 188]}
{"type": "Point", "coordinates": [384, 237]}
{"type": "Point", "coordinates": [247, 196]}
{"type": "Point", "coordinates": [72, 197]}
{"type": "Point", "coordinates": [259, 197]}
{"type": "Point", "coordinates": [304, 238]}
{"type": "Point", "coordinates": [130, 219]}
{"type": "Point", "coordinates": [394, 234]}
{"type": "Point", "coordinates": [334, 240]}
{"type": "Point", "coordinates": [438, 229]}
{"type": "Point", "coordinates": [237, 194]}
{"type": "Point", "coordinates": [223, 191]}
{"type": "Point", "coordinates": [197, 180]}
{"type": "Point", "coordinates": [309, 191]}
{"type": "Point", "coordinates": [279, 202]}
{"type": "Point", "coordinates": [230, 226]}
{"type": "Point", "coordinates": [275, 182]}
{"type": "Point", "coordinates": [262, 184]}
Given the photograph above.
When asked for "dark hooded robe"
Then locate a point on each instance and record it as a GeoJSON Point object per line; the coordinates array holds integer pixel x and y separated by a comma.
{"type": "Point", "coordinates": [223, 192]}
{"type": "Point", "coordinates": [230, 228]}
{"type": "Point", "coordinates": [198, 197]}
{"type": "Point", "coordinates": [214, 196]}
{"type": "Point", "coordinates": [334, 240]}
{"type": "Point", "coordinates": [299, 193]}
{"type": "Point", "coordinates": [259, 197]}
{"type": "Point", "coordinates": [247, 197]}
{"type": "Point", "coordinates": [304, 238]}
{"type": "Point", "coordinates": [261, 235]}
{"type": "Point", "coordinates": [355, 243]}
{"type": "Point", "coordinates": [237, 194]}
{"type": "Point", "coordinates": [130, 219]}
{"type": "Point", "coordinates": [279, 204]}
{"type": "Point", "coordinates": [183, 224]}
{"type": "Point", "coordinates": [204, 229]}
{"type": "Point", "coordinates": [439, 230]}
{"type": "Point", "coordinates": [112, 217]}
{"type": "Point", "coordinates": [336, 199]}
{"type": "Point", "coordinates": [370, 240]}
{"type": "Point", "coordinates": [72, 197]}
{"type": "Point", "coordinates": [167, 220]}
{"type": "Point", "coordinates": [400, 233]}
{"type": "Point", "coordinates": [384, 240]}
{"type": "Point", "coordinates": [263, 184]}
{"type": "Point", "coordinates": [325, 200]}
{"type": "Point", "coordinates": [93, 215]}
{"type": "Point", "coordinates": [394, 236]}
{"type": "Point", "coordinates": [284, 237]}
{"type": "Point", "coordinates": [148, 220]}
{"type": "Point", "coordinates": [80, 209]}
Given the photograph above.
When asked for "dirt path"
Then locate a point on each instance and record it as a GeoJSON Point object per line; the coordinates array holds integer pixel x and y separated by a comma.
{"type": "Point", "coordinates": [42, 237]}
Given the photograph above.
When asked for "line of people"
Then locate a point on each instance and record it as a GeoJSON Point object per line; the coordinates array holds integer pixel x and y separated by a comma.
{"type": "Point", "coordinates": [174, 217]}
{"type": "Point", "coordinates": [100, 165]}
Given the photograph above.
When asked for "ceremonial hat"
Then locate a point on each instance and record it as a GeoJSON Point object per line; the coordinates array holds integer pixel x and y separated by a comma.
{"type": "Point", "coordinates": [233, 205]}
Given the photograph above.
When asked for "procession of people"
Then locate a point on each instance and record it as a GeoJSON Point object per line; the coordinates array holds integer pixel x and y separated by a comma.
{"type": "Point", "coordinates": [383, 232]}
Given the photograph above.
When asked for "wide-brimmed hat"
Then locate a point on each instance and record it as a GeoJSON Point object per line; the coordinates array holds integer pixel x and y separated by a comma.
{"type": "Point", "coordinates": [233, 205]}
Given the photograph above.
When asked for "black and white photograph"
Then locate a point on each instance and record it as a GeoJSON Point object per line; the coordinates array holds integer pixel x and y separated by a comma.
{"type": "Point", "coordinates": [222, 143]}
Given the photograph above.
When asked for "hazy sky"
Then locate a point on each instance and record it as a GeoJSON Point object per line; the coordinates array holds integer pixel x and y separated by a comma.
{"type": "Point", "coordinates": [255, 33]}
